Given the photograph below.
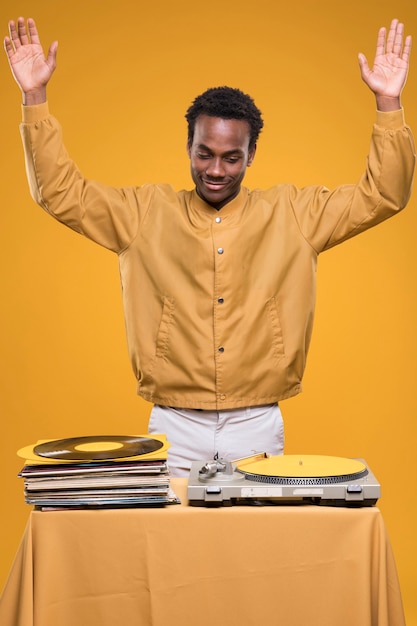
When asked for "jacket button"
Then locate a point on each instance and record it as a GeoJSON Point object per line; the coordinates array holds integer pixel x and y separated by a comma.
{"type": "Point", "coordinates": [218, 220]}
{"type": "Point", "coordinates": [221, 349]}
{"type": "Point", "coordinates": [220, 300]}
{"type": "Point", "coordinates": [220, 250]}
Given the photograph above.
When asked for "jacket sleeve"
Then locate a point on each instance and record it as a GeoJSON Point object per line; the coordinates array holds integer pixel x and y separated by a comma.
{"type": "Point", "coordinates": [107, 215]}
{"type": "Point", "coordinates": [329, 217]}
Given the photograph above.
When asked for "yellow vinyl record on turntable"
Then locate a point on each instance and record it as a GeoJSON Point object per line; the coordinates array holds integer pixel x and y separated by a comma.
{"type": "Point", "coordinates": [98, 448]}
{"type": "Point", "coordinates": [303, 466]}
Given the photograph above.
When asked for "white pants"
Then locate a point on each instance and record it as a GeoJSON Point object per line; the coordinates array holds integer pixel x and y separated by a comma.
{"type": "Point", "coordinates": [198, 435]}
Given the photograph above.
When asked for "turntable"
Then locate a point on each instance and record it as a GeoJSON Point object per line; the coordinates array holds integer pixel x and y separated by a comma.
{"type": "Point", "coordinates": [286, 479]}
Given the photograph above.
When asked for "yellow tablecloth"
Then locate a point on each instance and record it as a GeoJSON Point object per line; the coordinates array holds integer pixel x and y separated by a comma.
{"type": "Point", "coordinates": [189, 566]}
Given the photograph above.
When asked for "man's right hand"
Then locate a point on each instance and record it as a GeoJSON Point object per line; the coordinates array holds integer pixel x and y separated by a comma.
{"type": "Point", "coordinates": [31, 70]}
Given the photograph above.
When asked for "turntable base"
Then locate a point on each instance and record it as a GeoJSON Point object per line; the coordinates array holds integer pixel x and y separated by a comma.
{"type": "Point", "coordinates": [286, 479]}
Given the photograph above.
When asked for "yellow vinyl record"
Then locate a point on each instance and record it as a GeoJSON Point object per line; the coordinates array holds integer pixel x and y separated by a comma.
{"type": "Point", "coordinates": [303, 466]}
{"type": "Point", "coordinates": [95, 449]}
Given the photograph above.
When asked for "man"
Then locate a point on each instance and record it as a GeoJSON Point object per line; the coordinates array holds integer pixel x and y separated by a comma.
{"type": "Point", "coordinates": [218, 282]}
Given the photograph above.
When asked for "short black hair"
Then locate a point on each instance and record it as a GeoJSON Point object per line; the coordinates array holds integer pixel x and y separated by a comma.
{"type": "Point", "coordinates": [227, 103]}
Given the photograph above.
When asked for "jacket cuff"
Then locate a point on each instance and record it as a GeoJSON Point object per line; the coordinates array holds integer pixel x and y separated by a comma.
{"type": "Point", "coordinates": [391, 120]}
{"type": "Point", "coordinates": [34, 113]}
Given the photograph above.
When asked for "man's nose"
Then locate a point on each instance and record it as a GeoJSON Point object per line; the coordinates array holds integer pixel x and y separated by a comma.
{"type": "Point", "coordinates": [215, 168]}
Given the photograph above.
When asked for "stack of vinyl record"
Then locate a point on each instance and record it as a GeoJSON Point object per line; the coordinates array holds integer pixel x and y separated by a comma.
{"type": "Point", "coordinates": [97, 472]}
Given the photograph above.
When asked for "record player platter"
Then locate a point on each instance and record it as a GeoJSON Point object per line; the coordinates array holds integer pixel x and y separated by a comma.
{"type": "Point", "coordinates": [286, 479]}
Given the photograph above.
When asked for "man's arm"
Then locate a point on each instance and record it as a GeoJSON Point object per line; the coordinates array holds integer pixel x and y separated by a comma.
{"type": "Point", "coordinates": [388, 76]}
{"type": "Point", "coordinates": [107, 215]}
{"type": "Point", "coordinates": [30, 68]}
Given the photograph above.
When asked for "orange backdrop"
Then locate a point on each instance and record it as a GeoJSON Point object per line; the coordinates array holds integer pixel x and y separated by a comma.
{"type": "Point", "coordinates": [127, 71]}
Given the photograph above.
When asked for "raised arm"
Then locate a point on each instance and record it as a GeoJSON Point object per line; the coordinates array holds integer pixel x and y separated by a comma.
{"type": "Point", "coordinates": [389, 73]}
{"type": "Point", "coordinates": [30, 68]}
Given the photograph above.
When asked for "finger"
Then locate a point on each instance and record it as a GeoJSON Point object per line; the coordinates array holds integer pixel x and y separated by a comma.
{"type": "Point", "coordinates": [407, 49]}
{"type": "Point", "coordinates": [52, 52]}
{"type": "Point", "coordinates": [14, 37]}
{"type": "Point", "coordinates": [380, 42]}
{"type": "Point", "coordinates": [33, 31]}
{"type": "Point", "coordinates": [363, 64]}
{"type": "Point", "coordinates": [21, 29]}
{"type": "Point", "coordinates": [398, 40]}
{"type": "Point", "coordinates": [392, 33]}
{"type": "Point", "coordinates": [8, 46]}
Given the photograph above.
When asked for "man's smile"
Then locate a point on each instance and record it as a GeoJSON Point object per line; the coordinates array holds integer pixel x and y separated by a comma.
{"type": "Point", "coordinates": [214, 184]}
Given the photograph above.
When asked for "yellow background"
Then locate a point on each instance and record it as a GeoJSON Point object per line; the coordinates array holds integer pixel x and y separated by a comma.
{"type": "Point", "coordinates": [126, 73]}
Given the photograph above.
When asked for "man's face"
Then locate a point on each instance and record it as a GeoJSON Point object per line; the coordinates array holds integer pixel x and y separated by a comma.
{"type": "Point", "coordinates": [219, 155]}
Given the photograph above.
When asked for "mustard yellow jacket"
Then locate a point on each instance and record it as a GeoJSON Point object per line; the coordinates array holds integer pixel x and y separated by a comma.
{"type": "Point", "coordinates": [218, 304]}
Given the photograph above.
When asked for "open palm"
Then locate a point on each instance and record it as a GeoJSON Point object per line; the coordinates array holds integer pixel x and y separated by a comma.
{"type": "Point", "coordinates": [389, 72]}
{"type": "Point", "coordinates": [30, 68]}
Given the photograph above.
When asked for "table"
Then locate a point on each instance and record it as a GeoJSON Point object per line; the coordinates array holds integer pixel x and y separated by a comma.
{"type": "Point", "coordinates": [190, 566]}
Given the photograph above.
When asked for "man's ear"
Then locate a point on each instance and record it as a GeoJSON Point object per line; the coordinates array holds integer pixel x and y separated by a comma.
{"type": "Point", "coordinates": [251, 156]}
{"type": "Point", "coordinates": [188, 148]}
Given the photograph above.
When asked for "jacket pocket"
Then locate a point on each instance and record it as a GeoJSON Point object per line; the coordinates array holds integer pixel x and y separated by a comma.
{"type": "Point", "coordinates": [277, 336]}
{"type": "Point", "coordinates": [162, 339]}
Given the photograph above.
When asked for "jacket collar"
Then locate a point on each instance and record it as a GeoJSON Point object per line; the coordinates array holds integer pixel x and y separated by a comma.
{"type": "Point", "coordinates": [233, 207]}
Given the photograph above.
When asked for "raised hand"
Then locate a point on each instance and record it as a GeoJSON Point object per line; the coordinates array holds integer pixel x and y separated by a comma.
{"type": "Point", "coordinates": [31, 69]}
{"type": "Point", "coordinates": [389, 73]}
